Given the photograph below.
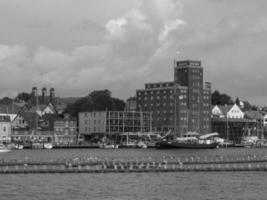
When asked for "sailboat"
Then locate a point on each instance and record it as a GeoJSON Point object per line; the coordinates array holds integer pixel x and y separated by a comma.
{"type": "Point", "coordinates": [191, 140]}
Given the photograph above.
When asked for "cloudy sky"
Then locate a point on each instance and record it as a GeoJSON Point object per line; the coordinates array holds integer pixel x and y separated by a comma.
{"type": "Point", "coordinates": [77, 46]}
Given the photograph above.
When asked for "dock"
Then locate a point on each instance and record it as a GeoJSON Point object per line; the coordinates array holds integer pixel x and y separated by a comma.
{"type": "Point", "coordinates": [137, 165]}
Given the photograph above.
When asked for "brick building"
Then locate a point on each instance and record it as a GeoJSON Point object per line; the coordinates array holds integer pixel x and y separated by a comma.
{"type": "Point", "coordinates": [182, 105]}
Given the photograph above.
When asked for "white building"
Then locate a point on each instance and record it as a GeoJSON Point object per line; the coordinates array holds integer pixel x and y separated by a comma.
{"type": "Point", "coordinates": [228, 111]}
{"type": "Point", "coordinates": [5, 128]}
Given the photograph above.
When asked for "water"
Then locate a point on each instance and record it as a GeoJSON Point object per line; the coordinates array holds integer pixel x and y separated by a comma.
{"type": "Point", "coordinates": [154, 186]}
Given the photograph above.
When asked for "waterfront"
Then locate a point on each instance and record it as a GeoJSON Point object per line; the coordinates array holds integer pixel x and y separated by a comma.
{"type": "Point", "coordinates": [124, 154]}
{"type": "Point", "coordinates": [180, 185]}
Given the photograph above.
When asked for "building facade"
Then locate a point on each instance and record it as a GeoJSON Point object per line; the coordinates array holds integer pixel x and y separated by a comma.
{"type": "Point", "coordinates": [65, 130]}
{"type": "Point", "coordinates": [5, 128]}
{"type": "Point", "coordinates": [113, 122]}
{"type": "Point", "coordinates": [182, 105]}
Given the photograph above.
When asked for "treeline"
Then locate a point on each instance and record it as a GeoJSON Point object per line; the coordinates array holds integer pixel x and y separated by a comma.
{"type": "Point", "coordinates": [99, 100]}
{"type": "Point", "coordinates": [221, 99]}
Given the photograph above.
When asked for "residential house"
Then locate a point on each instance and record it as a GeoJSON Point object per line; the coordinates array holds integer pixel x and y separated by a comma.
{"type": "Point", "coordinates": [230, 122]}
{"type": "Point", "coordinates": [229, 111]}
{"type": "Point", "coordinates": [5, 128]}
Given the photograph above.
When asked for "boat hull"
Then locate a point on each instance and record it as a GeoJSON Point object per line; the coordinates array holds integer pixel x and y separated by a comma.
{"type": "Point", "coordinates": [5, 150]}
{"type": "Point", "coordinates": [181, 145]}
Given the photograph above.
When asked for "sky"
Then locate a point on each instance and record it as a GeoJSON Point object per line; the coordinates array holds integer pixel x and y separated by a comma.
{"type": "Point", "coordinates": [77, 46]}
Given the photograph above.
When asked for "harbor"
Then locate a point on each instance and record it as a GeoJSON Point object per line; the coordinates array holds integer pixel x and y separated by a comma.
{"type": "Point", "coordinates": [131, 161]}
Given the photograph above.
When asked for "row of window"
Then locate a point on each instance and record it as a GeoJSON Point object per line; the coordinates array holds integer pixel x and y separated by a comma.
{"type": "Point", "coordinates": [158, 104]}
{"type": "Point", "coordinates": [93, 129]}
{"type": "Point", "coordinates": [92, 114]}
{"type": "Point", "coordinates": [157, 85]}
{"type": "Point", "coordinates": [154, 92]}
{"type": "Point", "coordinates": [61, 129]}
{"type": "Point", "coordinates": [93, 121]}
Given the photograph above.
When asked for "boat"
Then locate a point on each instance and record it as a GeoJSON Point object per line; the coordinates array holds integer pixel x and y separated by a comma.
{"type": "Point", "coordinates": [107, 146]}
{"type": "Point", "coordinates": [48, 145]}
{"type": "Point", "coordinates": [141, 144]}
{"type": "Point", "coordinates": [4, 148]}
{"type": "Point", "coordinates": [18, 146]}
{"type": "Point", "coordinates": [191, 140]}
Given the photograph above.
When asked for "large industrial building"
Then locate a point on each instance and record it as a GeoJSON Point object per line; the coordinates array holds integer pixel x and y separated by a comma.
{"type": "Point", "coordinates": [181, 105]}
{"type": "Point", "coordinates": [113, 122]}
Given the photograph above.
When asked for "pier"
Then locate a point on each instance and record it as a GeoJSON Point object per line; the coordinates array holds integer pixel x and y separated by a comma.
{"type": "Point", "coordinates": [141, 164]}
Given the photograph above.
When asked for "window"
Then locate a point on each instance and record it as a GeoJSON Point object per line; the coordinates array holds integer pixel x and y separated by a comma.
{"type": "Point", "coordinates": [4, 129]}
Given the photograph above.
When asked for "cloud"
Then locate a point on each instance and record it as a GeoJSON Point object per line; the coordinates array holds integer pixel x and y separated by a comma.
{"type": "Point", "coordinates": [170, 26]}
{"type": "Point", "coordinates": [125, 57]}
{"type": "Point", "coordinates": [86, 49]}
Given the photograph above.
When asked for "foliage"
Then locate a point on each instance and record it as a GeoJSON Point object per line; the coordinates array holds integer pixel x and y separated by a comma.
{"type": "Point", "coordinates": [248, 106]}
{"type": "Point", "coordinates": [23, 96]}
{"type": "Point", "coordinates": [6, 100]}
{"type": "Point", "coordinates": [237, 101]}
{"type": "Point", "coordinates": [98, 100]}
{"type": "Point", "coordinates": [221, 99]}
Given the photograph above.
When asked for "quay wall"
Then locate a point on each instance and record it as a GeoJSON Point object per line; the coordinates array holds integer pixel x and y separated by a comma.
{"type": "Point", "coordinates": [149, 164]}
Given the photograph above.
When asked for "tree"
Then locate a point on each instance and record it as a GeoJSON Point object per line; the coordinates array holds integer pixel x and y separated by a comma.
{"type": "Point", "coordinates": [237, 101]}
{"type": "Point", "coordinates": [221, 99]}
{"type": "Point", "coordinates": [81, 105]}
{"type": "Point", "coordinates": [99, 100]}
{"type": "Point", "coordinates": [23, 96]}
{"type": "Point", "coordinates": [6, 100]}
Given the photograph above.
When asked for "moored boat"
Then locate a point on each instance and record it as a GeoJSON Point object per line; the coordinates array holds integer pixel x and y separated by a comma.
{"type": "Point", "coordinates": [190, 141]}
{"type": "Point", "coordinates": [107, 146]}
{"type": "Point", "coordinates": [4, 148]}
{"type": "Point", "coordinates": [48, 145]}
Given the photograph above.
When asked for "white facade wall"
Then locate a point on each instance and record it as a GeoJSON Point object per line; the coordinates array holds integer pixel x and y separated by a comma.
{"type": "Point", "coordinates": [235, 112]}
{"type": "Point", "coordinates": [5, 131]}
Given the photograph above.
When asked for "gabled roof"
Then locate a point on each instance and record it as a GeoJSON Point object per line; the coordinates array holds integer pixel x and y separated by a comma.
{"type": "Point", "coordinates": [225, 109]}
{"type": "Point", "coordinates": [29, 117]}
{"type": "Point", "coordinates": [253, 114]}
{"type": "Point", "coordinates": [12, 116]}
{"type": "Point", "coordinates": [10, 108]}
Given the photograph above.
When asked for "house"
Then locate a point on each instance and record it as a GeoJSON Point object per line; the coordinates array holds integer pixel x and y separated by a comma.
{"type": "Point", "coordinates": [43, 109]}
{"type": "Point", "coordinates": [5, 128]}
{"type": "Point", "coordinates": [30, 127]}
{"type": "Point", "coordinates": [230, 122]}
{"type": "Point", "coordinates": [227, 111]}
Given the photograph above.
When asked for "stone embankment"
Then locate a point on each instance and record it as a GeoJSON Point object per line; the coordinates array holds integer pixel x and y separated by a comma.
{"type": "Point", "coordinates": [145, 164]}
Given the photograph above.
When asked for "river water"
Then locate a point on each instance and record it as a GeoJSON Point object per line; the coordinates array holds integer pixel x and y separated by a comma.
{"type": "Point", "coordinates": [124, 186]}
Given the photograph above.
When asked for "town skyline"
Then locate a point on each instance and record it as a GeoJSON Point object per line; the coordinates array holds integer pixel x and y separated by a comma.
{"type": "Point", "coordinates": [86, 47]}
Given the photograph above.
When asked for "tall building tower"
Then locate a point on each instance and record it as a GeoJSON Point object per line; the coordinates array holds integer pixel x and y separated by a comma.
{"type": "Point", "coordinates": [34, 91]}
{"type": "Point", "coordinates": [181, 105]}
{"type": "Point", "coordinates": [190, 74]}
{"type": "Point", "coordinates": [52, 95]}
{"type": "Point", "coordinates": [44, 95]}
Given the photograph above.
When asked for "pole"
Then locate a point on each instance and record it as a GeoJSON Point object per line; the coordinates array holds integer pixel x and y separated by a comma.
{"type": "Point", "coordinates": [175, 121]}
